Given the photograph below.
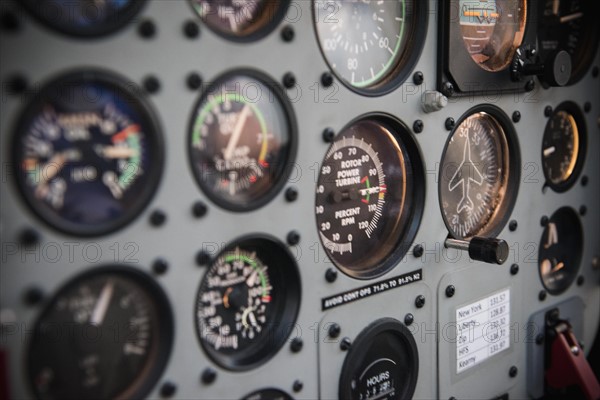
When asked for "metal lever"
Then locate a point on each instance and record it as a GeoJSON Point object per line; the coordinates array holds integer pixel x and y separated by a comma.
{"type": "Point", "coordinates": [487, 250]}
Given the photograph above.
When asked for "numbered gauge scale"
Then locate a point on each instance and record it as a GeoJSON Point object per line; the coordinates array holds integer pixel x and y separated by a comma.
{"type": "Point", "coordinates": [369, 196]}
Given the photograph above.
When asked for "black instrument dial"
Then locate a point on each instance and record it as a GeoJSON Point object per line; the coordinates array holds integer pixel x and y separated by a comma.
{"type": "Point", "coordinates": [268, 394]}
{"type": "Point", "coordinates": [477, 175]}
{"type": "Point", "coordinates": [369, 196]}
{"type": "Point", "coordinates": [84, 18]}
{"type": "Point", "coordinates": [242, 140]}
{"type": "Point", "coordinates": [570, 25]}
{"type": "Point", "coordinates": [88, 157]}
{"type": "Point", "coordinates": [561, 249]}
{"type": "Point", "coordinates": [247, 303]}
{"type": "Point", "coordinates": [107, 334]}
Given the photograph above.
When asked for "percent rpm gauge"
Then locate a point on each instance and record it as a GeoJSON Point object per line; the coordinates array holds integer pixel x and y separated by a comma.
{"type": "Point", "coordinates": [369, 196]}
{"type": "Point", "coordinates": [242, 140]}
{"type": "Point", "coordinates": [247, 303]}
{"type": "Point", "coordinates": [479, 174]}
{"type": "Point", "coordinates": [371, 45]}
{"type": "Point", "coordinates": [88, 152]}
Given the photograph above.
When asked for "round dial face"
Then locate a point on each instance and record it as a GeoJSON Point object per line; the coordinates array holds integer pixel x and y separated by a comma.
{"type": "Point", "coordinates": [366, 198]}
{"type": "Point", "coordinates": [560, 148]}
{"type": "Point", "coordinates": [474, 176]}
{"type": "Point", "coordinates": [84, 18]}
{"type": "Point", "coordinates": [571, 26]}
{"type": "Point", "coordinates": [383, 363]}
{"type": "Point", "coordinates": [240, 20]}
{"type": "Point", "coordinates": [248, 293]}
{"type": "Point", "coordinates": [365, 42]}
{"type": "Point", "coordinates": [89, 158]}
{"type": "Point", "coordinates": [492, 30]}
{"type": "Point", "coordinates": [106, 334]}
{"type": "Point", "coordinates": [268, 394]}
{"type": "Point", "coordinates": [242, 141]}
{"type": "Point", "coordinates": [561, 248]}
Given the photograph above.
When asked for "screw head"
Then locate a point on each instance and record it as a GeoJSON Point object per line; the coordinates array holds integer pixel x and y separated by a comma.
{"type": "Point", "coordinates": [296, 345]}
{"type": "Point", "coordinates": [583, 211]}
{"type": "Point", "coordinates": [293, 238]}
{"type": "Point", "coordinates": [450, 291]}
{"type": "Point", "coordinates": [450, 123]}
{"type": "Point", "coordinates": [513, 371]}
{"type": "Point", "coordinates": [542, 295]}
{"type": "Point", "coordinates": [539, 339]}
{"type": "Point", "coordinates": [33, 296]}
{"type": "Point", "coordinates": [587, 107]}
{"type": "Point", "coordinates": [151, 84]}
{"type": "Point", "coordinates": [297, 386]}
{"type": "Point", "coordinates": [203, 258]}
{"type": "Point", "coordinates": [420, 301]}
{"type": "Point", "coordinates": [544, 221]}
{"type": "Point", "coordinates": [595, 72]}
{"type": "Point", "coordinates": [448, 89]}
{"type": "Point", "coordinates": [418, 251]}
{"type": "Point", "coordinates": [9, 22]}
{"type": "Point", "coordinates": [17, 84]}
{"type": "Point", "coordinates": [345, 344]}
{"type": "Point", "coordinates": [208, 376]}
{"type": "Point", "coordinates": [409, 319]}
{"type": "Point", "coordinates": [516, 117]}
{"type": "Point", "coordinates": [514, 269]}
{"type": "Point", "coordinates": [584, 180]}
{"type": "Point", "coordinates": [580, 280]}
{"type": "Point", "coordinates": [291, 194]}
{"type": "Point", "coordinates": [29, 237]}
{"type": "Point", "coordinates": [331, 275]}
{"type": "Point", "coordinates": [158, 218]}
{"type": "Point", "coordinates": [287, 34]}
{"type": "Point", "coordinates": [147, 29]}
{"type": "Point", "coordinates": [168, 389]}
{"type": "Point", "coordinates": [418, 126]}
{"type": "Point", "coordinates": [193, 81]}
{"type": "Point", "coordinates": [326, 79]}
{"type": "Point", "coordinates": [548, 111]}
{"type": "Point", "coordinates": [530, 86]}
{"type": "Point", "coordinates": [334, 330]}
{"type": "Point", "coordinates": [418, 78]}
{"type": "Point", "coordinates": [513, 225]}
{"type": "Point", "coordinates": [191, 29]}
{"type": "Point", "coordinates": [289, 80]}
{"type": "Point", "coordinates": [199, 209]}
{"type": "Point", "coordinates": [160, 266]}
{"type": "Point", "coordinates": [328, 135]}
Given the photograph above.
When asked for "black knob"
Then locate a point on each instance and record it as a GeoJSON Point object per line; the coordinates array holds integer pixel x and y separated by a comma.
{"type": "Point", "coordinates": [555, 70]}
{"type": "Point", "coordinates": [492, 251]}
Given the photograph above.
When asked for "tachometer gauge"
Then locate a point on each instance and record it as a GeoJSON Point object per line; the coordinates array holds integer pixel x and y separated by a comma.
{"type": "Point", "coordinates": [493, 30]}
{"type": "Point", "coordinates": [106, 334]}
{"type": "Point", "coordinates": [569, 25]}
{"type": "Point", "coordinates": [84, 18]}
{"type": "Point", "coordinates": [248, 302]}
{"type": "Point", "coordinates": [241, 20]}
{"type": "Point", "coordinates": [242, 140]}
{"type": "Point", "coordinates": [371, 45]}
{"type": "Point", "coordinates": [561, 248]}
{"type": "Point", "coordinates": [563, 147]}
{"type": "Point", "coordinates": [369, 196]}
{"type": "Point", "coordinates": [88, 153]}
{"type": "Point", "coordinates": [268, 394]}
{"type": "Point", "coordinates": [479, 174]}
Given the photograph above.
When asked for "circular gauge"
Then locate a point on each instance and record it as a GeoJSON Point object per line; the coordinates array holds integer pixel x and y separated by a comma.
{"type": "Point", "coordinates": [242, 140]}
{"type": "Point", "coordinates": [106, 334]}
{"type": "Point", "coordinates": [563, 147]}
{"type": "Point", "coordinates": [241, 20]}
{"type": "Point", "coordinates": [571, 26]}
{"type": "Point", "coordinates": [383, 363]}
{"type": "Point", "coordinates": [560, 252]}
{"type": "Point", "coordinates": [84, 18]}
{"type": "Point", "coordinates": [248, 302]}
{"type": "Point", "coordinates": [371, 46]}
{"type": "Point", "coordinates": [88, 153]}
{"type": "Point", "coordinates": [479, 174]}
{"type": "Point", "coordinates": [268, 394]}
{"type": "Point", "coordinates": [370, 195]}
{"type": "Point", "coordinates": [493, 30]}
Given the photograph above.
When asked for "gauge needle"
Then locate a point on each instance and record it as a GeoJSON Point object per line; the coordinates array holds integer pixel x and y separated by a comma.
{"type": "Point", "coordinates": [558, 267]}
{"type": "Point", "coordinates": [237, 132]}
{"type": "Point", "coordinates": [556, 7]}
{"type": "Point", "coordinates": [102, 304]}
{"type": "Point", "coordinates": [52, 168]}
{"type": "Point", "coordinates": [571, 17]}
{"type": "Point", "coordinates": [226, 297]}
{"type": "Point", "coordinates": [549, 151]}
{"type": "Point", "coordinates": [115, 152]}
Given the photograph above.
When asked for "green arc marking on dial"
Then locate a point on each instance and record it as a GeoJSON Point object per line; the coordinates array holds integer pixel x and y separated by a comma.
{"type": "Point", "coordinates": [126, 179]}
{"type": "Point", "coordinates": [253, 264]}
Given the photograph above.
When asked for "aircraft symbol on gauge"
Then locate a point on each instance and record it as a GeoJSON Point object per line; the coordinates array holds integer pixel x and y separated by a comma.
{"type": "Point", "coordinates": [466, 173]}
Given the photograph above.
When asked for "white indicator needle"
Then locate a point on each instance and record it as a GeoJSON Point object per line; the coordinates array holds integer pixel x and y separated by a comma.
{"type": "Point", "coordinates": [113, 152]}
{"type": "Point", "coordinates": [52, 168]}
{"type": "Point", "coordinates": [237, 132]}
{"type": "Point", "coordinates": [102, 304]}
{"type": "Point", "coordinates": [556, 7]}
{"type": "Point", "coordinates": [549, 151]}
{"type": "Point", "coordinates": [572, 17]}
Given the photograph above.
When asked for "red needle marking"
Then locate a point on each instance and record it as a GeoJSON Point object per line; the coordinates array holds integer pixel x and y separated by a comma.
{"type": "Point", "coordinates": [122, 136]}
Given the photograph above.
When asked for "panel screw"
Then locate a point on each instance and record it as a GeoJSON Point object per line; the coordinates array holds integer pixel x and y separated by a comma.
{"type": "Point", "coordinates": [516, 117]}
{"type": "Point", "coordinates": [147, 29]}
{"type": "Point", "coordinates": [17, 84]}
{"type": "Point", "coordinates": [160, 266]}
{"type": "Point", "coordinates": [298, 385]}
{"type": "Point", "coordinates": [548, 111]}
{"type": "Point", "coordinates": [293, 238]}
{"type": "Point", "coordinates": [29, 237]}
{"type": "Point", "coordinates": [529, 86]}
{"type": "Point", "coordinates": [418, 78]}
{"type": "Point", "coordinates": [583, 211]}
{"type": "Point", "coordinates": [345, 344]}
{"type": "Point", "coordinates": [418, 251]}
{"type": "Point", "coordinates": [202, 258]}
{"type": "Point", "coordinates": [448, 89]}
{"type": "Point", "coordinates": [587, 107]}
{"type": "Point", "coordinates": [9, 22]}
{"type": "Point", "coordinates": [542, 295]}
{"type": "Point", "coordinates": [289, 80]}
{"type": "Point", "coordinates": [334, 330]}
{"type": "Point", "coordinates": [326, 79]}
{"type": "Point", "coordinates": [420, 301]}
{"type": "Point", "coordinates": [539, 339]}
{"type": "Point", "coordinates": [544, 221]}
{"type": "Point", "coordinates": [158, 218]}
{"type": "Point", "coordinates": [584, 180]}
{"type": "Point", "coordinates": [595, 72]}
{"type": "Point", "coordinates": [409, 319]}
{"type": "Point", "coordinates": [287, 33]}
{"type": "Point", "coordinates": [151, 84]}
{"type": "Point", "coordinates": [191, 29]}
{"type": "Point", "coordinates": [199, 209]}
{"type": "Point", "coordinates": [194, 81]}
{"type": "Point", "coordinates": [580, 280]}
{"type": "Point", "coordinates": [450, 291]}
{"type": "Point", "coordinates": [418, 126]}
{"type": "Point", "coordinates": [33, 296]}
{"type": "Point", "coordinates": [449, 124]}
{"type": "Point", "coordinates": [513, 225]}
{"type": "Point", "coordinates": [291, 194]}
{"type": "Point", "coordinates": [514, 269]}
{"type": "Point", "coordinates": [296, 345]}
{"type": "Point", "coordinates": [513, 371]}
{"type": "Point", "coordinates": [208, 376]}
{"type": "Point", "coordinates": [331, 275]}
{"type": "Point", "coordinates": [168, 389]}
{"type": "Point", "coordinates": [328, 135]}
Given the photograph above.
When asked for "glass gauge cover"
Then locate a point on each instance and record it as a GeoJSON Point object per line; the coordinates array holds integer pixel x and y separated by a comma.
{"type": "Point", "coordinates": [241, 20]}
{"type": "Point", "coordinates": [268, 394]}
{"type": "Point", "coordinates": [106, 334]}
{"type": "Point", "coordinates": [383, 363]}
{"type": "Point", "coordinates": [492, 30]}
{"type": "Point", "coordinates": [369, 197]}
{"type": "Point", "coordinates": [242, 140]}
{"type": "Point", "coordinates": [84, 18]}
{"type": "Point", "coordinates": [563, 147]}
{"type": "Point", "coordinates": [247, 303]}
{"type": "Point", "coordinates": [561, 249]}
{"type": "Point", "coordinates": [479, 174]}
{"type": "Point", "coordinates": [371, 45]}
{"type": "Point", "coordinates": [88, 152]}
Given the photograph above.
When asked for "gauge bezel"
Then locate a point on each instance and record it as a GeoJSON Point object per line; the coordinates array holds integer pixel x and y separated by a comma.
{"type": "Point", "coordinates": [456, 65]}
{"type": "Point", "coordinates": [359, 351]}
{"type": "Point", "coordinates": [165, 327]}
{"type": "Point", "coordinates": [414, 160]}
{"type": "Point", "coordinates": [38, 10]}
{"type": "Point", "coordinates": [273, 253]}
{"type": "Point", "coordinates": [124, 89]}
{"type": "Point", "coordinates": [292, 146]}
{"type": "Point", "coordinates": [273, 21]}
{"type": "Point", "coordinates": [268, 391]}
{"type": "Point", "coordinates": [575, 111]}
{"type": "Point", "coordinates": [405, 64]}
{"type": "Point", "coordinates": [576, 224]}
{"type": "Point", "coordinates": [502, 213]}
